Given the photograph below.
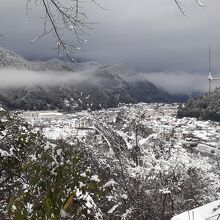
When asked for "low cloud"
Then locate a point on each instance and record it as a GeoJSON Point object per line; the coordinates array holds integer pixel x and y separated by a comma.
{"type": "Point", "coordinates": [11, 78]}
{"type": "Point", "coordinates": [181, 82]}
{"type": "Point", "coordinates": [174, 83]}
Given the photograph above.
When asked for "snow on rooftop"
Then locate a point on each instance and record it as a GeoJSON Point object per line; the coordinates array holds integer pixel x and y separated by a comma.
{"type": "Point", "coordinates": [50, 113]}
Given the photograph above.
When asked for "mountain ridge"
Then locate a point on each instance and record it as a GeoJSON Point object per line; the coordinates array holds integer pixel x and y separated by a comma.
{"type": "Point", "coordinates": [69, 84]}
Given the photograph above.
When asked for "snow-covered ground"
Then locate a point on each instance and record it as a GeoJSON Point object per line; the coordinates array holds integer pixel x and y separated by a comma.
{"type": "Point", "coordinates": [210, 211]}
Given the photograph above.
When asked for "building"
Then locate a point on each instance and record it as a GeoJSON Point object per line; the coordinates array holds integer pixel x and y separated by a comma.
{"type": "Point", "coordinates": [37, 116]}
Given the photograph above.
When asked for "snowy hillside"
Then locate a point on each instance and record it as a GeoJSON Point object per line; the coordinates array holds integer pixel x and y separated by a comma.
{"type": "Point", "coordinates": [206, 107]}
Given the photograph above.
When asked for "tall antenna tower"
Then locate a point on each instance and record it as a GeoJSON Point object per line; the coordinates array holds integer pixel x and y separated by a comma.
{"type": "Point", "coordinates": [210, 74]}
{"type": "Point", "coordinates": [210, 78]}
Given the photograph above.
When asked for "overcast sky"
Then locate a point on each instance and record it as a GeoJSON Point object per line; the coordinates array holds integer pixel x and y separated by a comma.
{"type": "Point", "coordinates": [148, 35]}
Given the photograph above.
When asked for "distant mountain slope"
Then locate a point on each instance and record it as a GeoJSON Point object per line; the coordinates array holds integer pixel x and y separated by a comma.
{"type": "Point", "coordinates": [66, 85]}
{"type": "Point", "coordinates": [203, 107]}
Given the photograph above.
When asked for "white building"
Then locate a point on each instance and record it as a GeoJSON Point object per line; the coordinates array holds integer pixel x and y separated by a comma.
{"type": "Point", "coordinates": [150, 112]}
{"type": "Point", "coordinates": [40, 115]}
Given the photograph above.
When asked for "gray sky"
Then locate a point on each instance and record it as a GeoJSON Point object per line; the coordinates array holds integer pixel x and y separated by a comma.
{"type": "Point", "coordinates": [148, 35]}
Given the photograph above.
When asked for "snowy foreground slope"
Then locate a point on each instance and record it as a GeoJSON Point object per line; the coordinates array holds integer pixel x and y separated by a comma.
{"type": "Point", "coordinates": [210, 211]}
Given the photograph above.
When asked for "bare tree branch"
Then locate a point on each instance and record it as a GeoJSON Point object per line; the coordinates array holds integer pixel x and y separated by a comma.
{"type": "Point", "coordinates": [61, 18]}
{"type": "Point", "coordinates": [181, 6]}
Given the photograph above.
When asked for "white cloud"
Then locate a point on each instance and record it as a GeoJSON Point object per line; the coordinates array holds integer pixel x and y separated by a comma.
{"type": "Point", "coordinates": [20, 78]}
{"type": "Point", "coordinates": [181, 82]}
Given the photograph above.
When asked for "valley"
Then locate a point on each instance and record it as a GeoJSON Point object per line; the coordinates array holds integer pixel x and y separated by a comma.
{"type": "Point", "coordinates": [155, 146]}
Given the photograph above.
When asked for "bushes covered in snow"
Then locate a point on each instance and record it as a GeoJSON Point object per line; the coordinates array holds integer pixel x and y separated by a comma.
{"type": "Point", "coordinates": [41, 180]}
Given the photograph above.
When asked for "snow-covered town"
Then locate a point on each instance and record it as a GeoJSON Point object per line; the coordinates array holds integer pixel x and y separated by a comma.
{"type": "Point", "coordinates": [203, 136]}
{"type": "Point", "coordinates": [158, 143]}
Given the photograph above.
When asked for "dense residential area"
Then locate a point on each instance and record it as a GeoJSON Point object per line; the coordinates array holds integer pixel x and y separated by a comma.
{"type": "Point", "coordinates": [133, 162]}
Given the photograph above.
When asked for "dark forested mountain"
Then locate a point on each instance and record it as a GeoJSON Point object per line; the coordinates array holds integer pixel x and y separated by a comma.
{"type": "Point", "coordinates": [55, 84]}
{"type": "Point", "coordinates": [205, 107]}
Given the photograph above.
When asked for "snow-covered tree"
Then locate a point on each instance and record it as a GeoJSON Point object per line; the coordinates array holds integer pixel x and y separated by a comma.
{"type": "Point", "coordinates": [17, 143]}
{"type": "Point", "coordinates": [43, 180]}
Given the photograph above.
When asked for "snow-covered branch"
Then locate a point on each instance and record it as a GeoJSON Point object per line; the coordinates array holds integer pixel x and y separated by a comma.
{"type": "Point", "coordinates": [61, 18]}
{"type": "Point", "coordinates": [181, 6]}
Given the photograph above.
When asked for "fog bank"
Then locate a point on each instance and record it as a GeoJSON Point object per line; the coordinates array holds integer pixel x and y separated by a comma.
{"type": "Point", "coordinates": [181, 82]}
{"type": "Point", "coordinates": [11, 78]}
{"type": "Point", "coordinates": [174, 83]}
